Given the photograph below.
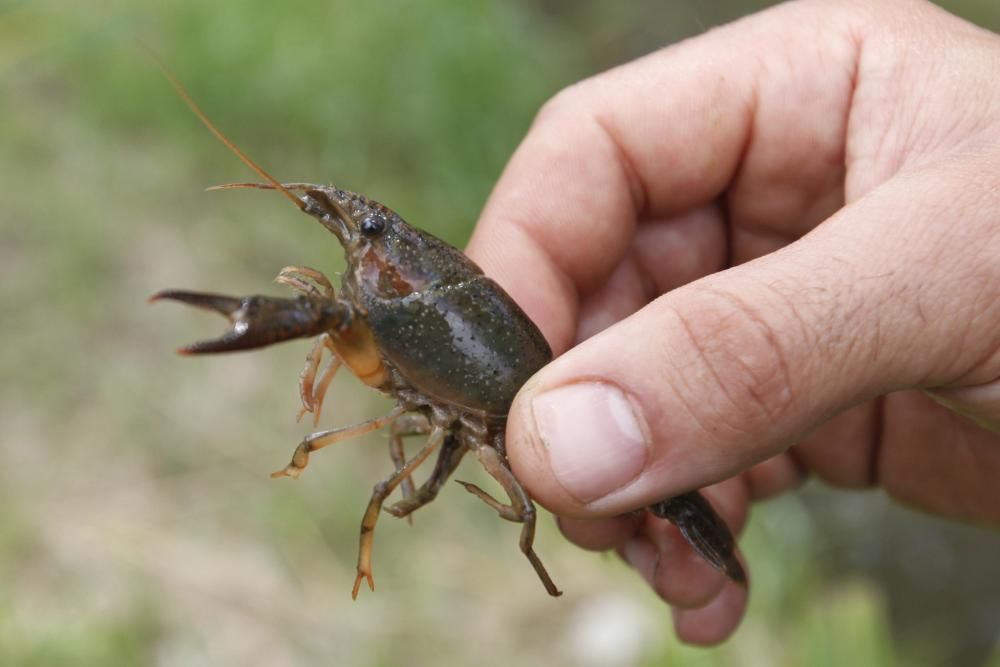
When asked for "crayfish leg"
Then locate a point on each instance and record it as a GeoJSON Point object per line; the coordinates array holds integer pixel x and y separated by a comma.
{"type": "Point", "coordinates": [298, 277]}
{"type": "Point", "coordinates": [505, 511]}
{"type": "Point", "coordinates": [450, 456]}
{"type": "Point", "coordinates": [324, 383]}
{"type": "Point", "coordinates": [413, 424]}
{"type": "Point", "coordinates": [521, 509]}
{"type": "Point", "coordinates": [312, 394]}
{"type": "Point", "coordinates": [379, 494]}
{"type": "Point", "coordinates": [321, 439]}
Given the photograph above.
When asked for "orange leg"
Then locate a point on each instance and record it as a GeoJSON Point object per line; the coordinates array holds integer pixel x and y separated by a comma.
{"type": "Point", "coordinates": [521, 509]}
{"type": "Point", "coordinates": [296, 277]}
{"type": "Point", "coordinates": [415, 424]}
{"type": "Point", "coordinates": [321, 439]}
{"type": "Point", "coordinates": [314, 284]}
{"type": "Point", "coordinates": [379, 494]}
{"type": "Point", "coordinates": [312, 394]}
{"type": "Point", "coordinates": [324, 383]}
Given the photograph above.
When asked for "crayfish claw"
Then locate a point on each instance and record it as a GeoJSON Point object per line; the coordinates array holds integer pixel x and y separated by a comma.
{"type": "Point", "coordinates": [260, 320]}
{"type": "Point", "coordinates": [226, 306]}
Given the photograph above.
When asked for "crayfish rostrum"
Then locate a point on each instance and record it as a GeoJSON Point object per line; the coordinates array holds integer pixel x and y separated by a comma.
{"type": "Point", "coordinates": [419, 321]}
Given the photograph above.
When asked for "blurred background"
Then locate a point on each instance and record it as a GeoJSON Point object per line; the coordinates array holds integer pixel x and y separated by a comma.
{"type": "Point", "coordinates": [137, 522]}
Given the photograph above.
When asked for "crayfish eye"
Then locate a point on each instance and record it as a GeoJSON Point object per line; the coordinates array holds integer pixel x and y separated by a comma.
{"type": "Point", "coordinates": [372, 225]}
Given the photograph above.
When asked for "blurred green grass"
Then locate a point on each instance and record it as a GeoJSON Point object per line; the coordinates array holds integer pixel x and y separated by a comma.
{"type": "Point", "coordinates": [137, 524]}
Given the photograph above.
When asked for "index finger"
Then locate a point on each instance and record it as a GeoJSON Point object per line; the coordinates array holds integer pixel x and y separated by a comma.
{"type": "Point", "coordinates": [647, 140]}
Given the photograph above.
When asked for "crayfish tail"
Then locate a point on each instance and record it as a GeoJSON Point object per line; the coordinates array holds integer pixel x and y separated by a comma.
{"type": "Point", "coordinates": [704, 530]}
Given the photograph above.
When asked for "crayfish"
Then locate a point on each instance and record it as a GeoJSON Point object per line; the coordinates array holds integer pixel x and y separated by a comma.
{"type": "Point", "coordinates": [420, 322]}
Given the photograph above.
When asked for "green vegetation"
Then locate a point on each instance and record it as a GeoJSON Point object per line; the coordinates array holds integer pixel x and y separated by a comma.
{"type": "Point", "coordinates": [137, 523]}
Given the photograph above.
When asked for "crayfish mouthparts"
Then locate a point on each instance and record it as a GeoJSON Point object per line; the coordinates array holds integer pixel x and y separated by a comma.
{"type": "Point", "coordinates": [257, 320]}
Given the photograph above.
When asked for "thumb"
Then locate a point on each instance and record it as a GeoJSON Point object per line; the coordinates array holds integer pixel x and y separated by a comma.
{"type": "Point", "coordinates": [725, 372]}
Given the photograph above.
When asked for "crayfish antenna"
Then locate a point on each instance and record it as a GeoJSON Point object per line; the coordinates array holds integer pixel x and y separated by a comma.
{"type": "Point", "coordinates": [203, 117]}
{"type": "Point", "coordinates": [239, 186]}
{"type": "Point", "coordinates": [260, 186]}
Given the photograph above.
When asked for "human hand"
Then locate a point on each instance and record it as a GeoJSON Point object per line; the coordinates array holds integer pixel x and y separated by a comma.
{"type": "Point", "coordinates": [787, 232]}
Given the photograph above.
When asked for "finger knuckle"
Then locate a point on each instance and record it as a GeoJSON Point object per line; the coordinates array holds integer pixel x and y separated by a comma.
{"type": "Point", "coordinates": [566, 102]}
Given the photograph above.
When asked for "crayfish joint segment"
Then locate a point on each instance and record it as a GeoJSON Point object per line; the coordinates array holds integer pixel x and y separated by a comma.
{"type": "Point", "coordinates": [300, 458]}
{"type": "Point", "coordinates": [411, 424]}
{"type": "Point", "coordinates": [312, 393]}
{"type": "Point", "coordinates": [504, 511]}
{"type": "Point", "coordinates": [449, 457]}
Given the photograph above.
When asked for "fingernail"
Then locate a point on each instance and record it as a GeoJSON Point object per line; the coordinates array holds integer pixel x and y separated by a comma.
{"type": "Point", "coordinates": [596, 441]}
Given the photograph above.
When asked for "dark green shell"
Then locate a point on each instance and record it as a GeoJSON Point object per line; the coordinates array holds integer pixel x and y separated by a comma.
{"type": "Point", "coordinates": [466, 343]}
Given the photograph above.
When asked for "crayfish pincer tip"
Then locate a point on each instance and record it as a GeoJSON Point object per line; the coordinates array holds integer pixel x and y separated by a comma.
{"type": "Point", "coordinates": [159, 296]}
{"type": "Point", "coordinates": [219, 303]}
{"type": "Point", "coordinates": [734, 570]}
{"type": "Point", "coordinates": [357, 584]}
